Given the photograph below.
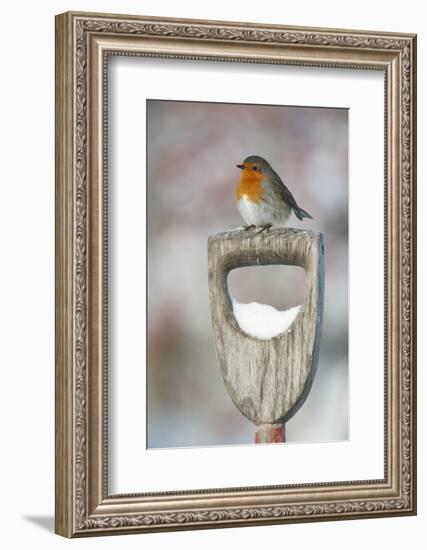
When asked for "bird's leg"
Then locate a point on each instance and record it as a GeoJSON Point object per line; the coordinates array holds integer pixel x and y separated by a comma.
{"type": "Point", "coordinates": [247, 227]}
{"type": "Point", "coordinates": [266, 227]}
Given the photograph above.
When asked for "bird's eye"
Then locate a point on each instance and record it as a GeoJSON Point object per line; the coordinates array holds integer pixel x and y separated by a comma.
{"type": "Point", "coordinates": [255, 168]}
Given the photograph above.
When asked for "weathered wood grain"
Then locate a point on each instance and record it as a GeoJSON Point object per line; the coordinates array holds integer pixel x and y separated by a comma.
{"type": "Point", "coordinates": [268, 380]}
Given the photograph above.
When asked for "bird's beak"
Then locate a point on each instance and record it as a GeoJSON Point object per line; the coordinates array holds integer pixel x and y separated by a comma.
{"type": "Point", "coordinates": [241, 166]}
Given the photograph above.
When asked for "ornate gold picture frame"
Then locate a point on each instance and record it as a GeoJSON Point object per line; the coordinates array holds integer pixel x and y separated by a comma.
{"type": "Point", "coordinates": [84, 42]}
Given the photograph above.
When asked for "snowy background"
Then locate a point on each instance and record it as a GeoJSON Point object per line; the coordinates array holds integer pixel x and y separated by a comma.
{"type": "Point", "coordinates": [192, 152]}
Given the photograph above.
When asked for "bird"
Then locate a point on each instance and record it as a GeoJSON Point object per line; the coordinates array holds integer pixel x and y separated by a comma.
{"type": "Point", "coordinates": [262, 198]}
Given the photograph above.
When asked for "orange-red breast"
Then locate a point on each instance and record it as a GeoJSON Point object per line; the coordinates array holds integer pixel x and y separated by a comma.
{"type": "Point", "coordinates": [262, 198]}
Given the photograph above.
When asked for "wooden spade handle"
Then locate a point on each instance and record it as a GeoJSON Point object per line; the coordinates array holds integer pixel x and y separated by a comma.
{"type": "Point", "coordinates": [267, 380]}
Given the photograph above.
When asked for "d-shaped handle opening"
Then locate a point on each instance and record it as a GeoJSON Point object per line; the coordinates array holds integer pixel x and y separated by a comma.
{"type": "Point", "coordinates": [282, 247]}
{"type": "Point", "coordinates": [266, 300]}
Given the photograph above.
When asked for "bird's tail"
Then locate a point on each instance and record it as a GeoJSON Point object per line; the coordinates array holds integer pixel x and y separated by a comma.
{"type": "Point", "coordinates": [300, 213]}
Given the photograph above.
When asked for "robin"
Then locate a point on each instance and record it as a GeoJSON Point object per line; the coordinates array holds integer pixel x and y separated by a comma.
{"type": "Point", "coordinates": [262, 198]}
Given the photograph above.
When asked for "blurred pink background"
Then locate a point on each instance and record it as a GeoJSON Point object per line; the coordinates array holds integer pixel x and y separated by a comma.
{"type": "Point", "coordinates": [193, 149]}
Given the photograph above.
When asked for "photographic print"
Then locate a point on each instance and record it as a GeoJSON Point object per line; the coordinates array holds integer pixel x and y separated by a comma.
{"type": "Point", "coordinates": [263, 174]}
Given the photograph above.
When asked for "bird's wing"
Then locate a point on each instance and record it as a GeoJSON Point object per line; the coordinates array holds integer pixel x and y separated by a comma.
{"type": "Point", "coordinates": [281, 192]}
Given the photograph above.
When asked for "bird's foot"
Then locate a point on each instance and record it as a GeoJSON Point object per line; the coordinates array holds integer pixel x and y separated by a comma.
{"type": "Point", "coordinates": [247, 227]}
{"type": "Point", "coordinates": [266, 227]}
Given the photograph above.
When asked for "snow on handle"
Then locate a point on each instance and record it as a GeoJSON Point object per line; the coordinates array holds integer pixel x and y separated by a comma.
{"type": "Point", "coordinates": [262, 320]}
